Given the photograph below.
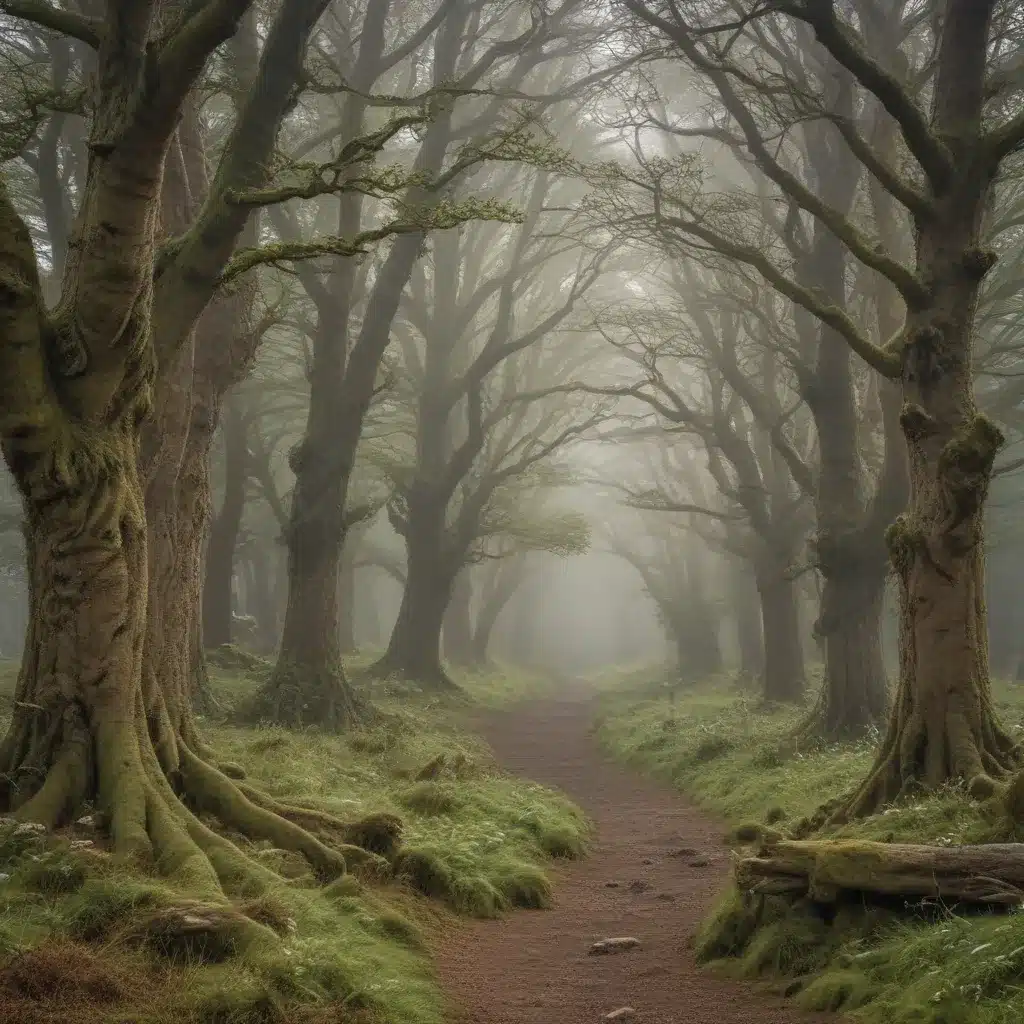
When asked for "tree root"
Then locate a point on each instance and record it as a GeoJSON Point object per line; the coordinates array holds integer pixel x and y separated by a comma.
{"type": "Point", "coordinates": [377, 833]}
{"type": "Point", "coordinates": [919, 756]}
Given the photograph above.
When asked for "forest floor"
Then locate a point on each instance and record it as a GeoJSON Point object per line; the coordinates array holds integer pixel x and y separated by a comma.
{"type": "Point", "coordinates": [654, 869]}
{"type": "Point", "coordinates": [738, 760]}
{"type": "Point", "coordinates": [77, 944]}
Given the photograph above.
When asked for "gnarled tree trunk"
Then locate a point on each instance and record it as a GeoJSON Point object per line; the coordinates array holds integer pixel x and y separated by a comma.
{"type": "Point", "coordinates": [943, 725]}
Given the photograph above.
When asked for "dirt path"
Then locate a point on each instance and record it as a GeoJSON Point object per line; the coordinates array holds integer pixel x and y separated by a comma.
{"type": "Point", "coordinates": [534, 968]}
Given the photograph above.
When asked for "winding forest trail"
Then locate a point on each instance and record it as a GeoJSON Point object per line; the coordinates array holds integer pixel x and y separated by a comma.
{"type": "Point", "coordinates": [533, 967]}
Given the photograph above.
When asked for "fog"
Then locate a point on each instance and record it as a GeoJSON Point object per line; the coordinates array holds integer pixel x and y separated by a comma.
{"type": "Point", "coordinates": [538, 341]}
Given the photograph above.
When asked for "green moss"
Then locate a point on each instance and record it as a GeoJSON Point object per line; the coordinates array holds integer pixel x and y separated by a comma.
{"type": "Point", "coordinates": [881, 964]}
{"type": "Point", "coordinates": [475, 841]}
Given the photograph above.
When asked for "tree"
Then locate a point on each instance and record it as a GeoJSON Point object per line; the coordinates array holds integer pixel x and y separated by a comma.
{"type": "Point", "coordinates": [106, 432]}
{"type": "Point", "coordinates": [672, 575]}
{"type": "Point", "coordinates": [760, 475]}
{"type": "Point", "coordinates": [942, 725]}
{"type": "Point", "coordinates": [308, 684]}
{"type": "Point", "coordinates": [483, 308]}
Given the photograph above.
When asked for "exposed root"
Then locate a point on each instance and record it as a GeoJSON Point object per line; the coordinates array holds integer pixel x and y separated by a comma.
{"type": "Point", "coordinates": [377, 833]}
{"type": "Point", "coordinates": [920, 755]}
{"type": "Point", "coordinates": [204, 932]}
{"type": "Point", "coordinates": [211, 790]}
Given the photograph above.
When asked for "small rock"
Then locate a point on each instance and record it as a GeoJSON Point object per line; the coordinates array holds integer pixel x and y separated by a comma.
{"type": "Point", "coordinates": [618, 945]}
{"type": "Point", "coordinates": [612, 885]}
{"type": "Point", "coordinates": [4, 877]}
{"type": "Point", "coordinates": [622, 1013]}
{"type": "Point", "coordinates": [685, 851]}
{"type": "Point", "coordinates": [647, 860]}
{"type": "Point", "coordinates": [88, 821]}
{"type": "Point", "coordinates": [639, 885]}
{"type": "Point", "coordinates": [81, 844]}
{"type": "Point", "coordinates": [698, 862]}
{"type": "Point", "coordinates": [666, 897]}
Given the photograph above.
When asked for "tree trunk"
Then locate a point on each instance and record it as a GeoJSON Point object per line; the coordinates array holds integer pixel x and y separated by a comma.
{"type": "Point", "coordinates": [217, 601]}
{"type": "Point", "coordinates": [853, 697]}
{"type": "Point", "coordinates": [263, 608]}
{"type": "Point", "coordinates": [784, 679]}
{"type": "Point", "coordinates": [749, 632]}
{"type": "Point", "coordinates": [510, 574]}
{"type": "Point", "coordinates": [347, 599]}
{"type": "Point", "coordinates": [414, 650]}
{"type": "Point", "coordinates": [457, 627]}
{"type": "Point", "coordinates": [942, 725]}
{"type": "Point", "coordinates": [990, 874]}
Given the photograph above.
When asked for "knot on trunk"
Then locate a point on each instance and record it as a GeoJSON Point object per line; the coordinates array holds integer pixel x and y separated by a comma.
{"type": "Point", "coordinates": [964, 471]}
{"type": "Point", "coordinates": [917, 424]}
{"type": "Point", "coordinates": [978, 262]}
{"type": "Point", "coordinates": [903, 539]}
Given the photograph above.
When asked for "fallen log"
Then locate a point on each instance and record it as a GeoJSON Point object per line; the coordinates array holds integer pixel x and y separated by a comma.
{"type": "Point", "coordinates": [824, 869]}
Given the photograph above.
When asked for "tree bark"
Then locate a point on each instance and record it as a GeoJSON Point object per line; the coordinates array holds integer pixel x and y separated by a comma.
{"type": "Point", "coordinates": [457, 625]}
{"type": "Point", "coordinates": [943, 725]}
{"type": "Point", "coordinates": [747, 618]}
{"type": "Point", "coordinates": [991, 874]}
{"type": "Point", "coordinates": [103, 714]}
{"type": "Point", "coordinates": [509, 575]}
{"type": "Point", "coordinates": [784, 679]}
{"type": "Point", "coordinates": [217, 603]}
{"type": "Point", "coordinates": [347, 599]}
{"type": "Point", "coordinates": [414, 650]}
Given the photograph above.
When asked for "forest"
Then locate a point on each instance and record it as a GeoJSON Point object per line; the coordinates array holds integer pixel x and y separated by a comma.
{"type": "Point", "coordinates": [508, 511]}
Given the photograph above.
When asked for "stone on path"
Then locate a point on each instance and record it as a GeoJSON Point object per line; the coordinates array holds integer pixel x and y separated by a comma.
{"type": "Point", "coordinates": [617, 945]}
{"type": "Point", "coordinates": [622, 1013]}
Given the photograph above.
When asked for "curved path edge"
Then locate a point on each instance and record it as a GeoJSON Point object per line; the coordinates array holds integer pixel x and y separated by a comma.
{"type": "Point", "coordinates": [639, 880]}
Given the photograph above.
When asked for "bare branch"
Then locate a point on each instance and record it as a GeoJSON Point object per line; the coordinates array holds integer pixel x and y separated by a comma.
{"type": "Point", "coordinates": [45, 15]}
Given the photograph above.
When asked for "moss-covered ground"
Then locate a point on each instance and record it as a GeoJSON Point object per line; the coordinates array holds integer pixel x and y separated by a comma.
{"type": "Point", "coordinates": [738, 760]}
{"type": "Point", "coordinates": [83, 938]}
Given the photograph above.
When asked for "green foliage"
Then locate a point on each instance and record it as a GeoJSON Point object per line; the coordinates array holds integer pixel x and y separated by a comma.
{"type": "Point", "coordinates": [916, 965]}
{"type": "Point", "coordinates": [475, 841]}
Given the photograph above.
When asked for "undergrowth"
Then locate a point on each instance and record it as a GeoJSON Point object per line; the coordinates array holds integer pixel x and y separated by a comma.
{"type": "Point", "coordinates": [922, 964]}
{"type": "Point", "coordinates": [86, 939]}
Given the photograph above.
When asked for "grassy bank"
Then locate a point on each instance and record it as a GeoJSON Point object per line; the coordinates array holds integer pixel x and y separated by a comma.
{"type": "Point", "coordinates": [739, 762]}
{"type": "Point", "coordinates": [80, 935]}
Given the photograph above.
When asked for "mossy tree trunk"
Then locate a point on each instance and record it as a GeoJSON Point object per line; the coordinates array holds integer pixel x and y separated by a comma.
{"type": "Point", "coordinates": [103, 714]}
{"type": "Point", "coordinates": [943, 725]}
